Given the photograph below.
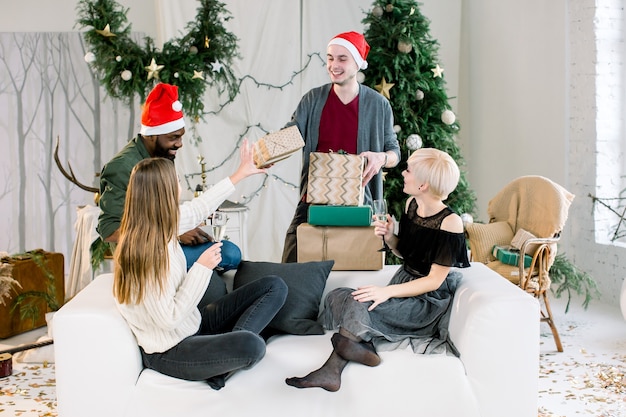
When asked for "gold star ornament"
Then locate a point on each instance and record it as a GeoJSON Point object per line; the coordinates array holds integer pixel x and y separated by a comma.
{"type": "Point", "coordinates": [106, 32]}
{"type": "Point", "coordinates": [384, 87]}
{"type": "Point", "coordinates": [437, 71]}
{"type": "Point", "coordinates": [198, 74]}
{"type": "Point", "coordinates": [153, 69]}
{"type": "Point", "coordinates": [206, 42]}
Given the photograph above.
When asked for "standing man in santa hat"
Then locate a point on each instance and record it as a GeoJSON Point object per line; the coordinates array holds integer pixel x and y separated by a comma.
{"type": "Point", "coordinates": [344, 115]}
{"type": "Point", "coordinates": [161, 135]}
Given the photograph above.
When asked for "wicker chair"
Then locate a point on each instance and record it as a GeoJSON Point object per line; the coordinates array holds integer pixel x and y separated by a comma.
{"type": "Point", "coordinates": [528, 214]}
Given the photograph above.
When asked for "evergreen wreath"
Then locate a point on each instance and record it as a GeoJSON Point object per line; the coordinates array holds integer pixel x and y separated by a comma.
{"type": "Point", "coordinates": [201, 57]}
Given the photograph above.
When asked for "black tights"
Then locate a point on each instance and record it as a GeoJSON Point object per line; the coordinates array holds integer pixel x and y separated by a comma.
{"type": "Point", "coordinates": [346, 348]}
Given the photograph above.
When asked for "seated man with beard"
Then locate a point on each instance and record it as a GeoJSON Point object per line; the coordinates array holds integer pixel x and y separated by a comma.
{"type": "Point", "coordinates": [161, 135]}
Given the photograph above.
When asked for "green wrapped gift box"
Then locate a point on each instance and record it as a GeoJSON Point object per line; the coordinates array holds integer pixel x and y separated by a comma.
{"type": "Point", "coordinates": [509, 256]}
{"type": "Point", "coordinates": [329, 215]}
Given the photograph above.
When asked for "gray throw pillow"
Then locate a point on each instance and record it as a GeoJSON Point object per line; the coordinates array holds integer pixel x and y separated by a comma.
{"type": "Point", "coordinates": [306, 282]}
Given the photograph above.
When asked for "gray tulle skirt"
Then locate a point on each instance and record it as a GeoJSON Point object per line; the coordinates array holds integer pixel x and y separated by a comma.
{"type": "Point", "coordinates": [420, 321]}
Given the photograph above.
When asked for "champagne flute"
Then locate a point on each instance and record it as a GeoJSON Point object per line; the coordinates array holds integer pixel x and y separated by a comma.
{"type": "Point", "coordinates": [218, 225]}
{"type": "Point", "coordinates": [380, 212]}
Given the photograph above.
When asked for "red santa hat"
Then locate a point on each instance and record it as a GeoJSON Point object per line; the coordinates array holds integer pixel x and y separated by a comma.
{"type": "Point", "coordinates": [162, 112]}
{"type": "Point", "coordinates": [356, 45]}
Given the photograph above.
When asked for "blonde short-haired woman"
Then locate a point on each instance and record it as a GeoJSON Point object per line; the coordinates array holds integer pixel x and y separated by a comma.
{"type": "Point", "coordinates": [414, 308]}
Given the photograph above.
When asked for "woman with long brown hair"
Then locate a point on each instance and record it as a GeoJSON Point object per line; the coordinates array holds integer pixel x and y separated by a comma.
{"type": "Point", "coordinates": [159, 298]}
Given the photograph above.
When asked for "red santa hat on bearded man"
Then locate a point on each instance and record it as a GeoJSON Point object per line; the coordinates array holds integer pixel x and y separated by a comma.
{"type": "Point", "coordinates": [356, 45]}
{"type": "Point", "coordinates": [162, 112]}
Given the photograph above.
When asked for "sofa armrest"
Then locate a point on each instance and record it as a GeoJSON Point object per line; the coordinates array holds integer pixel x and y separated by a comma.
{"type": "Point", "coordinates": [495, 326]}
{"type": "Point", "coordinates": [95, 352]}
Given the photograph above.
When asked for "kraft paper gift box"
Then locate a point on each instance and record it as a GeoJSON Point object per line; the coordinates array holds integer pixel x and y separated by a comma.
{"type": "Point", "coordinates": [506, 255]}
{"type": "Point", "coordinates": [335, 178]}
{"type": "Point", "coordinates": [325, 215]}
{"type": "Point", "coordinates": [352, 248]}
{"type": "Point", "coordinates": [41, 279]}
{"type": "Point", "coordinates": [277, 146]}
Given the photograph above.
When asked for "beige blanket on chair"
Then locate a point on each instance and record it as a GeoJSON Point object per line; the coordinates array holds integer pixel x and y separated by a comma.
{"type": "Point", "coordinates": [533, 203]}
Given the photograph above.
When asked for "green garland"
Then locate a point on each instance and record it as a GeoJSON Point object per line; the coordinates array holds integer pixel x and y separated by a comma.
{"type": "Point", "coordinates": [202, 57]}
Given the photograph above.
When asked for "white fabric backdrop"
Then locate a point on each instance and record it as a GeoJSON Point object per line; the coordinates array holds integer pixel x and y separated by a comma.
{"type": "Point", "coordinates": [276, 38]}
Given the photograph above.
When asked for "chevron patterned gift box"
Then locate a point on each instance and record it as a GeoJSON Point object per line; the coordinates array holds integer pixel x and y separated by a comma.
{"type": "Point", "coordinates": [277, 146]}
{"type": "Point", "coordinates": [335, 178]}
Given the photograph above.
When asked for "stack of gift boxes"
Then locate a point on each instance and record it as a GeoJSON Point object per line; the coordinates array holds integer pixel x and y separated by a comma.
{"type": "Point", "coordinates": [339, 226]}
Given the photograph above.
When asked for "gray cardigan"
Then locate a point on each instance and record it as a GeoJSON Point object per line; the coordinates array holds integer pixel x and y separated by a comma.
{"type": "Point", "coordinates": [375, 130]}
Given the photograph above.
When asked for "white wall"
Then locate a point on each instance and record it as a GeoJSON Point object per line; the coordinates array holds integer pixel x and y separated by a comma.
{"type": "Point", "coordinates": [595, 110]}
{"type": "Point", "coordinates": [60, 16]}
{"type": "Point", "coordinates": [513, 93]}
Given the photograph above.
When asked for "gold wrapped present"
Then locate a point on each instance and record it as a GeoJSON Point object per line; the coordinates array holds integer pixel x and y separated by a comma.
{"type": "Point", "coordinates": [351, 247]}
{"type": "Point", "coordinates": [277, 146]}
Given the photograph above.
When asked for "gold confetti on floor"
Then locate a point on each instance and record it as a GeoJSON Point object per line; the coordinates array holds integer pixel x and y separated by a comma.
{"type": "Point", "coordinates": [29, 391]}
{"type": "Point", "coordinates": [589, 377]}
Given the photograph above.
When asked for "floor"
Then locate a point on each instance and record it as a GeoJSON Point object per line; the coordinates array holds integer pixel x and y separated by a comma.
{"type": "Point", "coordinates": [587, 379]}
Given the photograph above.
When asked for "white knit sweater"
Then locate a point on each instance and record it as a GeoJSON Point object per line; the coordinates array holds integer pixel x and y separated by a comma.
{"type": "Point", "coordinates": [162, 320]}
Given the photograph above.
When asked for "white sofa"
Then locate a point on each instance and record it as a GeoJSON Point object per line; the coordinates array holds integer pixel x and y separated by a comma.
{"type": "Point", "coordinates": [494, 325]}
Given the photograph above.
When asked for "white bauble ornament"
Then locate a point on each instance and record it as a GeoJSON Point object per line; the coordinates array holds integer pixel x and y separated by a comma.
{"type": "Point", "coordinates": [414, 142]}
{"type": "Point", "coordinates": [419, 95]}
{"type": "Point", "coordinates": [405, 47]}
{"type": "Point", "coordinates": [389, 8]}
{"type": "Point", "coordinates": [360, 77]}
{"type": "Point", "coordinates": [193, 50]}
{"type": "Point", "coordinates": [467, 218]}
{"type": "Point", "coordinates": [126, 75]}
{"type": "Point", "coordinates": [397, 129]}
{"type": "Point", "coordinates": [176, 75]}
{"type": "Point", "coordinates": [377, 11]}
{"type": "Point", "coordinates": [118, 58]}
{"type": "Point", "coordinates": [90, 57]}
{"type": "Point", "coordinates": [448, 117]}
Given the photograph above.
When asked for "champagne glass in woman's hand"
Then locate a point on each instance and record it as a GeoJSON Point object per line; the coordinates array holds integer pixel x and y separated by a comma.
{"type": "Point", "coordinates": [218, 225]}
{"type": "Point", "coordinates": [380, 212]}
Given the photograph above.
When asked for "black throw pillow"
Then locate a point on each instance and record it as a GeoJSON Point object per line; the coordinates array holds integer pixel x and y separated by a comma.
{"type": "Point", "coordinates": [306, 282]}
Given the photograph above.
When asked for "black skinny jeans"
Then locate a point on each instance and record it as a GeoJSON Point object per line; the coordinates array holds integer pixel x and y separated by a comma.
{"type": "Point", "coordinates": [228, 338]}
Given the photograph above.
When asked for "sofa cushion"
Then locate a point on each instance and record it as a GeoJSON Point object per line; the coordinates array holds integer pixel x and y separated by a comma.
{"type": "Point", "coordinates": [483, 237]}
{"type": "Point", "coordinates": [262, 392]}
{"type": "Point", "coordinates": [306, 282]}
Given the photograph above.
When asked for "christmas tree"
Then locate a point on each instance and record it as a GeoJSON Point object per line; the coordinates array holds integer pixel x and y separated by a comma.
{"type": "Point", "coordinates": [404, 67]}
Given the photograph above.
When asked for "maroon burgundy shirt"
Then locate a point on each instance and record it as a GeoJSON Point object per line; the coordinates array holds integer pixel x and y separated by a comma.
{"type": "Point", "coordinates": [339, 125]}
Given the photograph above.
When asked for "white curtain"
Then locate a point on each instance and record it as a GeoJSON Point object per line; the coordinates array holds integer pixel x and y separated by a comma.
{"type": "Point", "coordinates": [277, 39]}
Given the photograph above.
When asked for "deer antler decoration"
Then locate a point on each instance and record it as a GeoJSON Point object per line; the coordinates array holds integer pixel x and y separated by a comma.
{"type": "Point", "coordinates": [71, 175]}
